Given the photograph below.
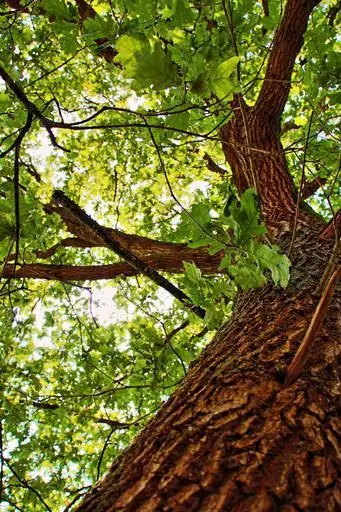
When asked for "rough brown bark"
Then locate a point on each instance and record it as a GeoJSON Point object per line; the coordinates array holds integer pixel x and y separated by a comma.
{"type": "Point", "coordinates": [168, 261]}
{"type": "Point", "coordinates": [233, 437]}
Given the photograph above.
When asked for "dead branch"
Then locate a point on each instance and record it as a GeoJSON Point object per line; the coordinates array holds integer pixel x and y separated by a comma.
{"type": "Point", "coordinates": [212, 166]}
{"type": "Point", "coordinates": [286, 127]}
{"type": "Point", "coordinates": [60, 198]}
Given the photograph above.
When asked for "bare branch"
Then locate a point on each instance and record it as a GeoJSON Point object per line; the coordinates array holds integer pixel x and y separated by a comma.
{"type": "Point", "coordinates": [286, 127]}
{"type": "Point", "coordinates": [212, 166]}
{"type": "Point", "coordinates": [31, 108]}
{"type": "Point", "coordinates": [124, 253]}
{"type": "Point", "coordinates": [26, 485]}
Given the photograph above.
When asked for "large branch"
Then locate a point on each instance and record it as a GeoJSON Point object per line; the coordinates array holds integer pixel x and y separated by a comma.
{"type": "Point", "coordinates": [171, 262]}
{"type": "Point", "coordinates": [164, 256]}
{"type": "Point", "coordinates": [287, 43]}
{"type": "Point", "coordinates": [148, 249]}
{"type": "Point", "coordinates": [251, 139]}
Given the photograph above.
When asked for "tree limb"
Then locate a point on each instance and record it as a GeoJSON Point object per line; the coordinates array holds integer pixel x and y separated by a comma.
{"type": "Point", "coordinates": [309, 187]}
{"type": "Point", "coordinates": [212, 166]}
{"type": "Point", "coordinates": [170, 263]}
{"type": "Point", "coordinates": [30, 107]}
{"type": "Point", "coordinates": [287, 43]}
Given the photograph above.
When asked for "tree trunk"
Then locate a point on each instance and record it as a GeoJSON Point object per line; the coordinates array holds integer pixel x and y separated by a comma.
{"type": "Point", "coordinates": [233, 437]}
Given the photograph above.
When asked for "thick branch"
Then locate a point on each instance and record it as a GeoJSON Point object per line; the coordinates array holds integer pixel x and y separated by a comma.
{"type": "Point", "coordinates": [251, 139]}
{"type": "Point", "coordinates": [171, 262]}
{"type": "Point", "coordinates": [287, 43]}
{"type": "Point", "coordinates": [148, 249]}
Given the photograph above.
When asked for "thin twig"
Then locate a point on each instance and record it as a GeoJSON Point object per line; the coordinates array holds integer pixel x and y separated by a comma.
{"type": "Point", "coordinates": [50, 71]}
{"type": "Point", "coordinates": [17, 146]}
{"type": "Point", "coordinates": [299, 196]}
{"type": "Point", "coordinates": [31, 108]}
{"type": "Point", "coordinates": [329, 268]}
{"type": "Point", "coordinates": [168, 338]}
{"type": "Point", "coordinates": [164, 171]}
{"type": "Point", "coordinates": [103, 451]}
{"type": "Point", "coordinates": [79, 494]}
{"type": "Point", "coordinates": [228, 15]}
{"type": "Point", "coordinates": [27, 485]}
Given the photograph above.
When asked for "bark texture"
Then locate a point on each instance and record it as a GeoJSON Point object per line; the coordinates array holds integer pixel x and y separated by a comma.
{"type": "Point", "coordinates": [233, 437]}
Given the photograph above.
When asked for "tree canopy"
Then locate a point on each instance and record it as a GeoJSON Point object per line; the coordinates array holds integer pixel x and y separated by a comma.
{"type": "Point", "coordinates": [112, 287]}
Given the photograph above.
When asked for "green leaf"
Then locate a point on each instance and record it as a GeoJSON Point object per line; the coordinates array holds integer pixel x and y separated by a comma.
{"type": "Point", "coordinates": [179, 121]}
{"type": "Point", "coordinates": [192, 272]}
{"type": "Point", "coordinates": [247, 277]}
{"type": "Point", "coordinates": [127, 47]}
{"type": "Point", "coordinates": [147, 63]}
{"type": "Point", "coordinates": [56, 8]}
{"type": "Point", "coordinates": [154, 67]}
{"type": "Point", "coordinates": [220, 83]}
{"type": "Point", "coordinates": [7, 228]}
{"type": "Point", "coordinates": [244, 217]}
{"type": "Point", "coordinates": [226, 261]}
{"type": "Point", "coordinates": [4, 99]}
{"type": "Point", "coordinates": [270, 258]}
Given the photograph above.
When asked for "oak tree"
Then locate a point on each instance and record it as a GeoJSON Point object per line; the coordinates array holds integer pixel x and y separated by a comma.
{"type": "Point", "coordinates": [169, 239]}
